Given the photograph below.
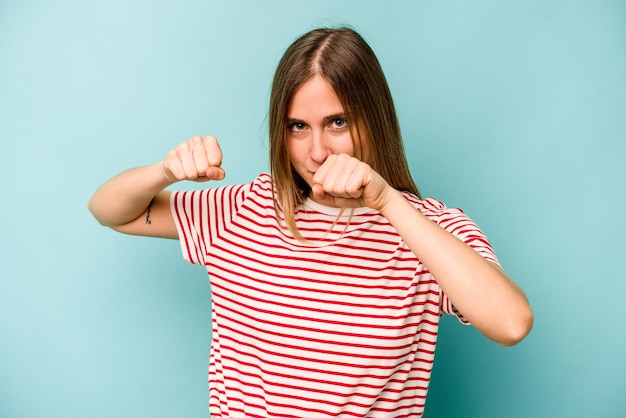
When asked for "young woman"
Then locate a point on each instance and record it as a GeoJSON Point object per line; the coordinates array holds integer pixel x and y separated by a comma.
{"type": "Point", "coordinates": [330, 275]}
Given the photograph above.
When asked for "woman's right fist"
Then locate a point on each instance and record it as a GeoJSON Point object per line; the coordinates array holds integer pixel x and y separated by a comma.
{"type": "Point", "coordinates": [198, 159]}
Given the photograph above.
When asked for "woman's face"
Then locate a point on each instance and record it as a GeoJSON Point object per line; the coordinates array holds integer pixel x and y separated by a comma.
{"type": "Point", "coordinates": [317, 127]}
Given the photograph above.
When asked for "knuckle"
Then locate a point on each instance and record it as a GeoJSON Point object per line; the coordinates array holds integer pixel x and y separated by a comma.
{"type": "Point", "coordinates": [203, 167]}
{"type": "Point", "coordinates": [183, 147]}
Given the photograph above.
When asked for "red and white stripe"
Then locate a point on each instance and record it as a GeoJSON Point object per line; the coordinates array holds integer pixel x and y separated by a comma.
{"type": "Point", "coordinates": [343, 325]}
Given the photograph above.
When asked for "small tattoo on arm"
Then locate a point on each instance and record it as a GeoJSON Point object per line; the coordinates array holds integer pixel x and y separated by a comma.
{"type": "Point", "coordinates": [148, 221]}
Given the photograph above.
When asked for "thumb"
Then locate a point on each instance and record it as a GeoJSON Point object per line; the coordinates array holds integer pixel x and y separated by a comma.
{"type": "Point", "coordinates": [215, 173]}
{"type": "Point", "coordinates": [318, 191]}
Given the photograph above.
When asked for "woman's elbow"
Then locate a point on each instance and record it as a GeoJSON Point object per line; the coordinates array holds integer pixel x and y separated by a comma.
{"type": "Point", "coordinates": [101, 213]}
{"type": "Point", "coordinates": [95, 212]}
{"type": "Point", "coordinates": [518, 328]}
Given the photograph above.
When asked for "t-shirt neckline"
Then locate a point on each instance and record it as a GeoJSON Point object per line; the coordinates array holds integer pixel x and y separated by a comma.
{"type": "Point", "coordinates": [333, 211]}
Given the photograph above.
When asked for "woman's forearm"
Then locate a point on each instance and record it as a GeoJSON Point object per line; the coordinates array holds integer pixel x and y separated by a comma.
{"type": "Point", "coordinates": [126, 196]}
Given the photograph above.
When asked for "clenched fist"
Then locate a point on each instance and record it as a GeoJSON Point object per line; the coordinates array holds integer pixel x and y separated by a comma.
{"type": "Point", "coordinates": [198, 159]}
{"type": "Point", "coordinates": [345, 181]}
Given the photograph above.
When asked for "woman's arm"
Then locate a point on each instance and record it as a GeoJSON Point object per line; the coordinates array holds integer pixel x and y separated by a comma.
{"type": "Point", "coordinates": [122, 203]}
{"type": "Point", "coordinates": [134, 202]}
{"type": "Point", "coordinates": [479, 289]}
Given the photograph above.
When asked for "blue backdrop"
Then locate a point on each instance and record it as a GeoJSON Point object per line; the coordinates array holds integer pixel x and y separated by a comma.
{"type": "Point", "coordinates": [514, 111]}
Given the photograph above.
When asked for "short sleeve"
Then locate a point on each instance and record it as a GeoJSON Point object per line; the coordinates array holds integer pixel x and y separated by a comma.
{"type": "Point", "coordinates": [201, 215]}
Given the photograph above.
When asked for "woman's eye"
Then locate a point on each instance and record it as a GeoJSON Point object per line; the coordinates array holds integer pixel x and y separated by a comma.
{"type": "Point", "coordinates": [297, 126]}
{"type": "Point", "coordinates": [339, 123]}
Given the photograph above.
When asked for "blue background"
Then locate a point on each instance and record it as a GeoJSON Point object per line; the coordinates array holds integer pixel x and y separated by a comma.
{"type": "Point", "coordinates": [514, 111]}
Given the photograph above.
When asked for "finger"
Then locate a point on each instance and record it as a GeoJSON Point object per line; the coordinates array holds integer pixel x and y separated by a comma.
{"type": "Point", "coordinates": [322, 171]}
{"type": "Point", "coordinates": [186, 157]}
{"type": "Point", "coordinates": [200, 158]}
{"type": "Point", "coordinates": [349, 181]}
{"type": "Point", "coordinates": [213, 151]}
{"type": "Point", "coordinates": [325, 174]}
{"type": "Point", "coordinates": [356, 181]}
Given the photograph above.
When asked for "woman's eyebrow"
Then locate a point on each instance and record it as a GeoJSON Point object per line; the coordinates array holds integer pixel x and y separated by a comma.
{"type": "Point", "coordinates": [326, 119]}
{"type": "Point", "coordinates": [330, 118]}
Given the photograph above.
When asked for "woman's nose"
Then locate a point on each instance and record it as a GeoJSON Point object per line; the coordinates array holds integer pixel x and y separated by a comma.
{"type": "Point", "coordinates": [319, 148]}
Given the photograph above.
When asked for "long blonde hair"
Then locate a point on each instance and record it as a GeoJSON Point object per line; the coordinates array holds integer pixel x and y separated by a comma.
{"type": "Point", "coordinates": [343, 58]}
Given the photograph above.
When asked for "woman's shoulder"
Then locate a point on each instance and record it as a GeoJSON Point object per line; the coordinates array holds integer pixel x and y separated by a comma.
{"type": "Point", "coordinates": [429, 205]}
{"type": "Point", "coordinates": [263, 180]}
{"type": "Point", "coordinates": [260, 188]}
{"type": "Point", "coordinates": [436, 210]}
{"type": "Point", "coordinates": [260, 184]}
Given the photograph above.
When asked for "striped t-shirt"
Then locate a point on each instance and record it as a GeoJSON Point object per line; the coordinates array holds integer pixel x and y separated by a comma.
{"type": "Point", "coordinates": [342, 325]}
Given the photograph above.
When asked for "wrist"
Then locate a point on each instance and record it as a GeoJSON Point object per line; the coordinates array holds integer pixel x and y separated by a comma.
{"type": "Point", "coordinates": [389, 200]}
{"type": "Point", "coordinates": [167, 175]}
